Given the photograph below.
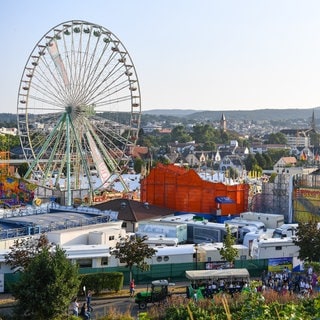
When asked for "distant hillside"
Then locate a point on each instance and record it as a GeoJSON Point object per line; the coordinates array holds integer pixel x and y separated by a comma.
{"type": "Point", "coordinates": [205, 115]}
{"type": "Point", "coordinates": [171, 112]}
{"type": "Point", "coordinates": [8, 117]}
{"type": "Point", "coordinates": [256, 115]}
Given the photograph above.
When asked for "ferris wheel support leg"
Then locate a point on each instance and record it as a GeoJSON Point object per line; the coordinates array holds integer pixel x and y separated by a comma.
{"type": "Point", "coordinates": [69, 200]}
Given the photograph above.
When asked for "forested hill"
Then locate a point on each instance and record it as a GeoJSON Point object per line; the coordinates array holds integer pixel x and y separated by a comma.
{"type": "Point", "coordinates": [10, 119]}
{"type": "Point", "coordinates": [263, 114]}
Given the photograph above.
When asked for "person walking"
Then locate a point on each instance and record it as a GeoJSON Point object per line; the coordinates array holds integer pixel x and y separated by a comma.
{"type": "Point", "coordinates": [132, 288]}
{"type": "Point", "coordinates": [89, 297]}
{"type": "Point", "coordinates": [75, 307]}
{"type": "Point", "coordinates": [85, 313]}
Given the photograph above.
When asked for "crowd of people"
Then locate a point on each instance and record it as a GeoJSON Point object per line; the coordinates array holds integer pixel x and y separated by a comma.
{"type": "Point", "coordinates": [283, 282]}
{"type": "Point", "coordinates": [287, 282]}
{"type": "Point", "coordinates": [86, 308]}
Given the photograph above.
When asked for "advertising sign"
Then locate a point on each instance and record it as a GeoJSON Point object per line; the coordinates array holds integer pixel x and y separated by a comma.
{"type": "Point", "coordinates": [278, 264]}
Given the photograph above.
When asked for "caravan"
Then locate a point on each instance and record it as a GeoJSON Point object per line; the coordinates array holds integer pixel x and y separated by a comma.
{"type": "Point", "coordinates": [258, 225]}
{"type": "Point", "coordinates": [286, 230]}
{"type": "Point", "coordinates": [164, 229]}
{"type": "Point", "coordinates": [270, 220]}
{"type": "Point", "coordinates": [274, 248]}
{"type": "Point", "coordinates": [200, 230]}
{"type": "Point", "coordinates": [246, 226]}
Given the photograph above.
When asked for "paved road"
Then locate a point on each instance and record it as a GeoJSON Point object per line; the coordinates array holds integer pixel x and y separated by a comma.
{"type": "Point", "coordinates": [104, 306]}
{"type": "Point", "coordinates": [101, 307]}
{"type": "Point", "coordinates": [117, 305]}
{"type": "Point", "coordinates": [125, 305]}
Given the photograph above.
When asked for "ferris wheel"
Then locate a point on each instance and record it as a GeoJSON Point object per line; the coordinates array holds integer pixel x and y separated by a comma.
{"type": "Point", "coordinates": [78, 108]}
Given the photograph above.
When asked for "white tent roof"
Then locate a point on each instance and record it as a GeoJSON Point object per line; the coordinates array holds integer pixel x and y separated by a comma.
{"type": "Point", "coordinates": [217, 274]}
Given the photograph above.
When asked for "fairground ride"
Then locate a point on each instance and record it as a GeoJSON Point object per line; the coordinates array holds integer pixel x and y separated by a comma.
{"type": "Point", "coordinates": [78, 109]}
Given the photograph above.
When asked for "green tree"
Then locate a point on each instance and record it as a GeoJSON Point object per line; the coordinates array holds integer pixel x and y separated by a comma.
{"type": "Point", "coordinates": [23, 251]}
{"type": "Point", "coordinates": [277, 138]}
{"type": "Point", "coordinates": [257, 169]}
{"type": "Point", "coordinates": [209, 146]}
{"type": "Point", "coordinates": [8, 141]}
{"type": "Point", "coordinates": [204, 133]}
{"type": "Point", "coordinates": [22, 169]}
{"type": "Point", "coordinates": [276, 154]}
{"type": "Point", "coordinates": [260, 160]}
{"type": "Point", "coordinates": [308, 240]}
{"type": "Point", "coordinates": [268, 161]}
{"type": "Point", "coordinates": [250, 162]}
{"type": "Point", "coordinates": [46, 286]}
{"type": "Point", "coordinates": [315, 139]}
{"type": "Point", "coordinates": [180, 134]}
{"type": "Point", "coordinates": [138, 164]}
{"type": "Point", "coordinates": [232, 173]}
{"type": "Point", "coordinates": [228, 252]}
{"type": "Point", "coordinates": [133, 253]}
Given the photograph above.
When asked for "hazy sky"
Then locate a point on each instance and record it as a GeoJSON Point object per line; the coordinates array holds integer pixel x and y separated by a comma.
{"type": "Point", "coordinates": [189, 54]}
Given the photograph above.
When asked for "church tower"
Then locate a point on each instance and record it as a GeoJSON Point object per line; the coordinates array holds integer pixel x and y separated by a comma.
{"type": "Point", "coordinates": [223, 123]}
{"type": "Point", "coordinates": [313, 122]}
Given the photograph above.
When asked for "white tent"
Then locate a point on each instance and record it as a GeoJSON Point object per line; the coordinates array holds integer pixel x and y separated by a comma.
{"type": "Point", "coordinates": [230, 274]}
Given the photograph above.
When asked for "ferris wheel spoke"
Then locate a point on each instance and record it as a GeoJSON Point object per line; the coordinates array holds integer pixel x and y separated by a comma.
{"type": "Point", "coordinates": [55, 55]}
{"type": "Point", "coordinates": [53, 77]}
{"type": "Point", "coordinates": [106, 162]}
{"type": "Point", "coordinates": [107, 137]}
{"type": "Point", "coordinates": [115, 101]}
{"type": "Point", "coordinates": [38, 154]}
{"type": "Point", "coordinates": [111, 86]}
{"type": "Point", "coordinates": [110, 92]}
{"type": "Point", "coordinates": [113, 140]}
{"type": "Point", "coordinates": [106, 80]}
{"type": "Point", "coordinates": [91, 67]}
{"type": "Point", "coordinates": [46, 98]}
{"type": "Point", "coordinates": [81, 155]}
{"type": "Point", "coordinates": [95, 74]}
{"type": "Point", "coordinates": [43, 86]}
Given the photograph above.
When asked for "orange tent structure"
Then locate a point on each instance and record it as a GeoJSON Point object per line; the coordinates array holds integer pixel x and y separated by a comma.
{"type": "Point", "coordinates": [184, 190]}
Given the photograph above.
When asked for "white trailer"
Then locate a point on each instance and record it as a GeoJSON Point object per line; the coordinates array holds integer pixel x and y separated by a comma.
{"type": "Point", "coordinates": [244, 223]}
{"type": "Point", "coordinates": [243, 231]}
{"type": "Point", "coordinates": [274, 248]}
{"type": "Point", "coordinates": [211, 252]}
{"type": "Point", "coordinates": [199, 230]}
{"type": "Point", "coordinates": [246, 226]}
{"type": "Point", "coordinates": [270, 220]}
{"type": "Point", "coordinates": [286, 230]}
{"type": "Point", "coordinates": [185, 253]}
{"type": "Point", "coordinates": [161, 241]}
{"type": "Point", "coordinates": [164, 229]}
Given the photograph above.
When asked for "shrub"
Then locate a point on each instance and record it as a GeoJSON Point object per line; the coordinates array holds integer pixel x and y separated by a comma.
{"type": "Point", "coordinates": [101, 281]}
